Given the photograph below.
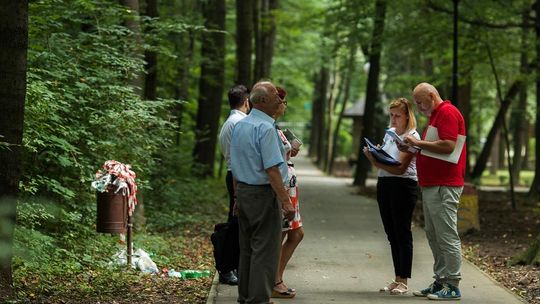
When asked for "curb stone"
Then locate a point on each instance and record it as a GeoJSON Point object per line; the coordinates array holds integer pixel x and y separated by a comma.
{"type": "Point", "coordinates": [213, 290]}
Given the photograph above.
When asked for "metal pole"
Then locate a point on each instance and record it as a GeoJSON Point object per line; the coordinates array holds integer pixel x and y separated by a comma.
{"type": "Point", "coordinates": [455, 59]}
{"type": "Point", "coordinates": [129, 241]}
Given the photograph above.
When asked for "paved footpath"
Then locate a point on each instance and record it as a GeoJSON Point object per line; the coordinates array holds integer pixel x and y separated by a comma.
{"type": "Point", "coordinates": [345, 256]}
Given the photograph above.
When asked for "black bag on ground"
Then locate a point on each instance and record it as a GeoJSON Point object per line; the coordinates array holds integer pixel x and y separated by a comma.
{"type": "Point", "coordinates": [226, 247]}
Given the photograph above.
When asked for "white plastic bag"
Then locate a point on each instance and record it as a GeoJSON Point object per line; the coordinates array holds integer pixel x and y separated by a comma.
{"type": "Point", "coordinates": [143, 261]}
{"type": "Point", "coordinates": [140, 259]}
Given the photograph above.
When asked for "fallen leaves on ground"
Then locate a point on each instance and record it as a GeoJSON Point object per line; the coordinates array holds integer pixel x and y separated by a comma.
{"type": "Point", "coordinates": [505, 233]}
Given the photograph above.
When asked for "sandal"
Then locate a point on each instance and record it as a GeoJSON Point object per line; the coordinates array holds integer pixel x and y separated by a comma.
{"type": "Point", "coordinates": [400, 289]}
{"type": "Point", "coordinates": [288, 294]}
{"type": "Point", "coordinates": [293, 290]}
{"type": "Point", "coordinates": [282, 294]}
{"type": "Point", "coordinates": [389, 287]}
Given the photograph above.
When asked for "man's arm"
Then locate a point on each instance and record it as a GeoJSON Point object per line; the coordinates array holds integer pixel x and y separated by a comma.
{"type": "Point", "coordinates": [440, 146]}
{"type": "Point", "coordinates": [283, 197]}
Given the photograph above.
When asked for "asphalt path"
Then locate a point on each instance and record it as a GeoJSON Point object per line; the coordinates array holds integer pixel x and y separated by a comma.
{"type": "Point", "coordinates": [345, 256]}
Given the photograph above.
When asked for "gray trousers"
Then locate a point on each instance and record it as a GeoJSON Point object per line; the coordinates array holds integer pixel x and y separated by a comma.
{"type": "Point", "coordinates": [259, 223]}
{"type": "Point", "coordinates": [440, 204]}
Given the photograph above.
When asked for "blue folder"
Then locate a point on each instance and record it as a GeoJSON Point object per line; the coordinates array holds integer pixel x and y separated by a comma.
{"type": "Point", "coordinates": [380, 155]}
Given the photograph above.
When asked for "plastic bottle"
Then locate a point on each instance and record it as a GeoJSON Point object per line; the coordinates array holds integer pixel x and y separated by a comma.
{"type": "Point", "coordinates": [175, 274]}
{"type": "Point", "coordinates": [195, 274]}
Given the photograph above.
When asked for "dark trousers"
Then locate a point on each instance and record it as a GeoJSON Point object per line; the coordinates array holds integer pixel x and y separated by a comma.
{"type": "Point", "coordinates": [396, 197]}
{"type": "Point", "coordinates": [259, 219]}
{"type": "Point", "coordinates": [232, 242]}
{"type": "Point", "coordinates": [230, 189]}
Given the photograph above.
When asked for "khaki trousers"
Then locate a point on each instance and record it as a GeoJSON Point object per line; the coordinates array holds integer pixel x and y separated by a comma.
{"type": "Point", "coordinates": [440, 204]}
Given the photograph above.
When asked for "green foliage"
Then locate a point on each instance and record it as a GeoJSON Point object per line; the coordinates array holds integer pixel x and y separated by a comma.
{"type": "Point", "coordinates": [181, 191]}
{"type": "Point", "coordinates": [345, 142]}
{"type": "Point", "coordinates": [80, 110]}
{"type": "Point", "coordinates": [83, 108]}
{"type": "Point", "coordinates": [58, 255]}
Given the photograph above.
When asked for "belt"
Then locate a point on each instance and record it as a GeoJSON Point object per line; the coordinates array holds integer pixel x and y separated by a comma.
{"type": "Point", "coordinates": [250, 185]}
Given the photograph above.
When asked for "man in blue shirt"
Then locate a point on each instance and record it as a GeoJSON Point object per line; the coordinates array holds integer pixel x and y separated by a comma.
{"type": "Point", "coordinates": [261, 172]}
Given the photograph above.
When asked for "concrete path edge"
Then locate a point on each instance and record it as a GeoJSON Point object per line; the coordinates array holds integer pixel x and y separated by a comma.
{"type": "Point", "coordinates": [213, 290]}
{"type": "Point", "coordinates": [492, 279]}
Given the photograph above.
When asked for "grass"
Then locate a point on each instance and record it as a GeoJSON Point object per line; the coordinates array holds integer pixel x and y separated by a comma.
{"type": "Point", "coordinates": [501, 178]}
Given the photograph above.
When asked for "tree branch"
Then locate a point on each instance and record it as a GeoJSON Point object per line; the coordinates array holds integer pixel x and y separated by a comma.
{"type": "Point", "coordinates": [477, 22]}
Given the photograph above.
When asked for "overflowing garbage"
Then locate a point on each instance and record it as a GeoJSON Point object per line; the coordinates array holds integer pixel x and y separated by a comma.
{"type": "Point", "coordinates": [118, 176]}
{"type": "Point", "coordinates": [120, 179]}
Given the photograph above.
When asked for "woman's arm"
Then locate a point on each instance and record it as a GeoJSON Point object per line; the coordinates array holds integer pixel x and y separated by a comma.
{"type": "Point", "coordinates": [404, 157]}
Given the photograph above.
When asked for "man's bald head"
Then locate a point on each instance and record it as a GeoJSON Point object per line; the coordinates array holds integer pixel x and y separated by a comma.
{"type": "Point", "coordinates": [426, 97]}
{"type": "Point", "coordinates": [261, 90]}
{"type": "Point", "coordinates": [425, 88]}
{"type": "Point", "coordinates": [264, 97]}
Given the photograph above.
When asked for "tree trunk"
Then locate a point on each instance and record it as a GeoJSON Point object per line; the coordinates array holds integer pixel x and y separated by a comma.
{"type": "Point", "coordinates": [534, 192]}
{"type": "Point", "coordinates": [502, 152]}
{"type": "Point", "coordinates": [182, 88]}
{"type": "Point", "coordinates": [257, 4]}
{"type": "Point", "coordinates": [244, 41]}
{"type": "Point", "coordinates": [210, 86]}
{"type": "Point", "coordinates": [150, 57]}
{"type": "Point", "coordinates": [313, 139]}
{"type": "Point", "coordinates": [464, 95]}
{"type": "Point", "coordinates": [133, 24]}
{"type": "Point", "coordinates": [13, 50]}
{"type": "Point", "coordinates": [321, 103]}
{"type": "Point", "coordinates": [351, 64]}
{"type": "Point", "coordinates": [482, 159]}
{"type": "Point", "coordinates": [495, 156]}
{"type": "Point", "coordinates": [372, 90]}
{"type": "Point", "coordinates": [519, 121]}
{"type": "Point", "coordinates": [317, 114]}
{"type": "Point", "coordinates": [265, 35]}
{"type": "Point", "coordinates": [330, 110]}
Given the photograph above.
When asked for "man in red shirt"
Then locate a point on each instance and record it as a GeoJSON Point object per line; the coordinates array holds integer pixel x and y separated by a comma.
{"type": "Point", "coordinates": [442, 183]}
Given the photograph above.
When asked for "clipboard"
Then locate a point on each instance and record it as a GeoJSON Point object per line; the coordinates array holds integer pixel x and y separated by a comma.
{"type": "Point", "coordinates": [380, 155]}
{"type": "Point", "coordinates": [432, 134]}
{"type": "Point", "coordinates": [395, 136]}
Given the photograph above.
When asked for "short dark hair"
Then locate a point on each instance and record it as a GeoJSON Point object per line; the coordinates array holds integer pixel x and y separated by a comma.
{"type": "Point", "coordinates": [237, 95]}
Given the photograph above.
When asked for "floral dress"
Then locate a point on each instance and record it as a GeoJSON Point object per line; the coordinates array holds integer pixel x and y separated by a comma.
{"type": "Point", "coordinates": [292, 187]}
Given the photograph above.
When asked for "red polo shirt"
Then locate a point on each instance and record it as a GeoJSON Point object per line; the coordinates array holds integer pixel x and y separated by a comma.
{"type": "Point", "coordinates": [435, 172]}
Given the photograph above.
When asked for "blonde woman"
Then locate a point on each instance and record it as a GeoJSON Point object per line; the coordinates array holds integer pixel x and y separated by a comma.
{"type": "Point", "coordinates": [397, 192]}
